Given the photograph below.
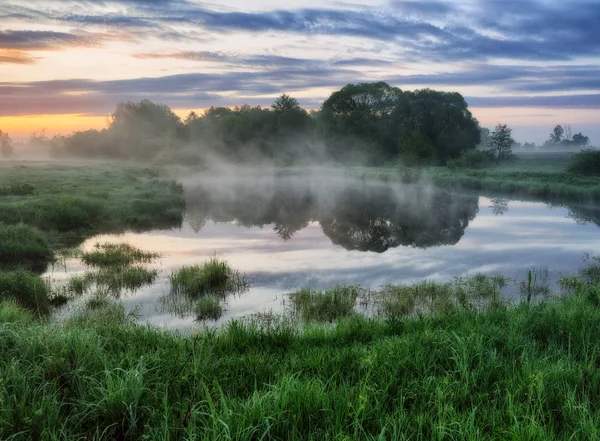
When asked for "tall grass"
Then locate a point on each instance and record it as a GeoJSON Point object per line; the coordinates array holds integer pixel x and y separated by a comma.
{"type": "Point", "coordinates": [23, 246]}
{"type": "Point", "coordinates": [525, 372]}
{"type": "Point", "coordinates": [330, 305]}
{"type": "Point", "coordinates": [26, 290]}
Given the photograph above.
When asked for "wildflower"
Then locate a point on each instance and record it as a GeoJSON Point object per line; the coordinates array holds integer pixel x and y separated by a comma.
{"type": "Point", "coordinates": [195, 332]}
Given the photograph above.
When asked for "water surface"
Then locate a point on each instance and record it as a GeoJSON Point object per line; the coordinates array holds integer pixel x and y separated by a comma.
{"type": "Point", "coordinates": [289, 232]}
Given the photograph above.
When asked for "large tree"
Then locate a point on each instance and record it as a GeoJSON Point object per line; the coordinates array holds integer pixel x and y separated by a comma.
{"type": "Point", "coordinates": [359, 117]}
{"type": "Point", "coordinates": [442, 117]}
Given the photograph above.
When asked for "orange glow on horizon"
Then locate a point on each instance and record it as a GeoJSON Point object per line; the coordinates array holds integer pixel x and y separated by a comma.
{"type": "Point", "coordinates": [23, 126]}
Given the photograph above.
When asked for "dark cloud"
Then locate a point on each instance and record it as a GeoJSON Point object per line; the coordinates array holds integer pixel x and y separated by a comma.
{"type": "Point", "coordinates": [41, 40]}
{"type": "Point", "coordinates": [588, 101]}
{"type": "Point", "coordinates": [530, 79]}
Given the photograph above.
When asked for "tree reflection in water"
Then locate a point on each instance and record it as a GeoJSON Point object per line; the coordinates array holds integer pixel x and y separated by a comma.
{"type": "Point", "coordinates": [354, 214]}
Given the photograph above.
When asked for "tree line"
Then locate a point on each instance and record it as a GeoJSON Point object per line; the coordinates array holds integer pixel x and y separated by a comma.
{"type": "Point", "coordinates": [366, 123]}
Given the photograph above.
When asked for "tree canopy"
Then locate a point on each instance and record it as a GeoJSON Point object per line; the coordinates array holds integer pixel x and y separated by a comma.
{"type": "Point", "coordinates": [366, 123]}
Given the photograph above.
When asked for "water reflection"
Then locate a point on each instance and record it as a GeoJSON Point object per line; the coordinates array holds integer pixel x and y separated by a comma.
{"type": "Point", "coordinates": [355, 215]}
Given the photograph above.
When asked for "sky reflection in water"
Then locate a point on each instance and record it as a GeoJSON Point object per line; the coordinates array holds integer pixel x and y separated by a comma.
{"type": "Point", "coordinates": [285, 234]}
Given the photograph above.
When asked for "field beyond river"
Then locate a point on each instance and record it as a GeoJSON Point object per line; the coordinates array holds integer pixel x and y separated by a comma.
{"type": "Point", "coordinates": [292, 304]}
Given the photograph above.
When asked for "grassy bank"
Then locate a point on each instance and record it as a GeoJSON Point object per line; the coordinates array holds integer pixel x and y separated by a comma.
{"type": "Point", "coordinates": [69, 203]}
{"type": "Point", "coordinates": [539, 176]}
{"type": "Point", "coordinates": [526, 372]}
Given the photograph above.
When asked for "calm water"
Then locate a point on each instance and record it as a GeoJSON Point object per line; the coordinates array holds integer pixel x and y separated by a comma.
{"type": "Point", "coordinates": [285, 233]}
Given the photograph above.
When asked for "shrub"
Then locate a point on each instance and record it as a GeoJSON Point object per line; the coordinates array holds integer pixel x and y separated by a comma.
{"type": "Point", "coordinates": [586, 162]}
{"type": "Point", "coordinates": [470, 159]}
{"type": "Point", "coordinates": [23, 246]}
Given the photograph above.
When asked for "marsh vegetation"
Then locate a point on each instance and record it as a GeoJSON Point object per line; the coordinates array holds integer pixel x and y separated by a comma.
{"type": "Point", "coordinates": [521, 371]}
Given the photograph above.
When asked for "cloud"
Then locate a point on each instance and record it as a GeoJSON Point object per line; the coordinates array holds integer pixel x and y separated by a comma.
{"type": "Point", "coordinates": [424, 9]}
{"type": "Point", "coordinates": [41, 40]}
{"type": "Point", "coordinates": [15, 57]}
{"type": "Point", "coordinates": [584, 101]}
{"type": "Point", "coordinates": [488, 29]}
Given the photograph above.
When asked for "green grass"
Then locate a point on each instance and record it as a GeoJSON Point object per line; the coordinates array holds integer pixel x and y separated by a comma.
{"type": "Point", "coordinates": [22, 246]}
{"type": "Point", "coordinates": [70, 203]}
{"type": "Point", "coordinates": [325, 306]}
{"type": "Point", "coordinates": [17, 189]}
{"type": "Point", "coordinates": [116, 255]}
{"type": "Point", "coordinates": [212, 277]}
{"type": "Point", "coordinates": [525, 372]}
{"type": "Point", "coordinates": [539, 176]}
{"type": "Point", "coordinates": [28, 290]}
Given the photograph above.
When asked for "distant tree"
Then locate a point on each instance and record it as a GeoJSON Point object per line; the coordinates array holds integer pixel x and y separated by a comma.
{"type": "Point", "coordinates": [285, 103]}
{"type": "Point", "coordinates": [580, 140]}
{"type": "Point", "coordinates": [557, 135]}
{"type": "Point", "coordinates": [290, 117]}
{"type": "Point", "coordinates": [6, 147]}
{"type": "Point", "coordinates": [143, 129]}
{"type": "Point", "coordinates": [501, 142]}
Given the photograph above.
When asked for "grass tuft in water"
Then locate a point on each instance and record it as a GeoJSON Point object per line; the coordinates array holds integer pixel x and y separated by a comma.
{"type": "Point", "coordinates": [25, 247]}
{"type": "Point", "coordinates": [117, 255]}
{"type": "Point", "coordinates": [117, 279]}
{"type": "Point", "coordinates": [325, 306]}
{"type": "Point", "coordinates": [208, 308]}
{"type": "Point", "coordinates": [213, 277]}
{"type": "Point", "coordinates": [100, 299]}
{"type": "Point", "coordinates": [427, 297]}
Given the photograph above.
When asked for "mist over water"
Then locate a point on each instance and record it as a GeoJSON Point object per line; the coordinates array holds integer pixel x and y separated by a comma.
{"type": "Point", "coordinates": [289, 230]}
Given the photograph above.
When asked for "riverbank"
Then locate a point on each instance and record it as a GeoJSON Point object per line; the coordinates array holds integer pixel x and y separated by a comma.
{"type": "Point", "coordinates": [535, 175]}
{"type": "Point", "coordinates": [67, 203]}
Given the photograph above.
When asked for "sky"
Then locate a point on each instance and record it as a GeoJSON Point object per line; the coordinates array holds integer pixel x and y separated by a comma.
{"type": "Point", "coordinates": [65, 64]}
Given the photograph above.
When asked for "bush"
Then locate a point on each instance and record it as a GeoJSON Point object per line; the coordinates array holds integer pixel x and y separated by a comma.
{"type": "Point", "coordinates": [23, 246]}
{"type": "Point", "coordinates": [470, 159]}
{"type": "Point", "coordinates": [27, 290]}
{"type": "Point", "coordinates": [586, 162]}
